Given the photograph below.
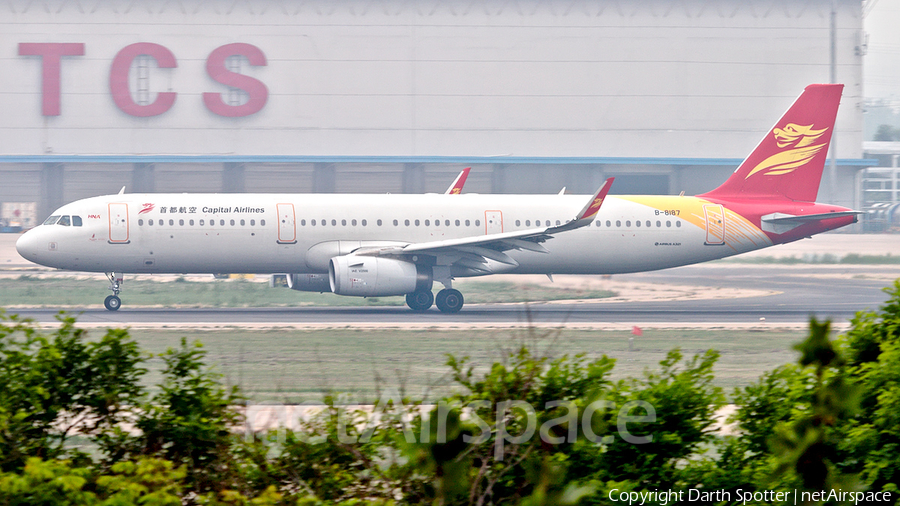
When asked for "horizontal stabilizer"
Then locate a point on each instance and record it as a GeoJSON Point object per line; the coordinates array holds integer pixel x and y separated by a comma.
{"type": "Point", "coordinates": [779, 223]}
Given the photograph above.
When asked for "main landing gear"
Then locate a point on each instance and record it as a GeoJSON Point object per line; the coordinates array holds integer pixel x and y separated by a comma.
{"type": "Point", "coordinates": [113, 302]}
{"type": "Point", "coordinates": [448, 300]}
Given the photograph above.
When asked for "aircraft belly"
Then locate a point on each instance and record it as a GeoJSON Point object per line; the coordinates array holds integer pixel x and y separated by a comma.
{"type": "Point", "coordinates": [614, 251]}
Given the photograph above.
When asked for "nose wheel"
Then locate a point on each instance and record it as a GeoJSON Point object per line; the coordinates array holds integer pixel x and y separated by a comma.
{"type": "Point", "coordinates": [113, 302]}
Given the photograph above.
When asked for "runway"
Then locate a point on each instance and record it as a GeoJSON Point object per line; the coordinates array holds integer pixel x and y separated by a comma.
{"type": "Point", "coordinates": [833, 292]}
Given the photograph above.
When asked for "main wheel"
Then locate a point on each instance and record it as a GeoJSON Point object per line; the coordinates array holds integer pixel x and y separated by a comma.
{"type": "Point", "coordinates": [449, 300]}
{"type": "Point", "coordinates": [113, 303]}
{"type": "Point", "coordinates": [420, 301]}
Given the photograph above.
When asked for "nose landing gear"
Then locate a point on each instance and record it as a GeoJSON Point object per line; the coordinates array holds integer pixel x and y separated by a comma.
{"type": "Point", "coordinates": [113, 302]}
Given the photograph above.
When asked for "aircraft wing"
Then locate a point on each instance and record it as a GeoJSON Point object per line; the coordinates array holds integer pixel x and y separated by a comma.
{"type": "Point", "coordinates": [492, 246]}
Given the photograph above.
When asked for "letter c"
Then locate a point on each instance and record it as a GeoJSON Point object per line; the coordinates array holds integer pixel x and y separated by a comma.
{"type": "Point", "coordinates": [118, 79]}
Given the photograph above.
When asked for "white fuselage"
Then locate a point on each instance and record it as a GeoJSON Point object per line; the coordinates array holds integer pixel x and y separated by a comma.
{"type": "Point", "coordinates": [299, 233]}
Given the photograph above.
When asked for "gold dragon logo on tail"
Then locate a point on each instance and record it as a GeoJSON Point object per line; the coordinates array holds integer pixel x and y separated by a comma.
{"type": "Point", "coordinates": [802, 139]}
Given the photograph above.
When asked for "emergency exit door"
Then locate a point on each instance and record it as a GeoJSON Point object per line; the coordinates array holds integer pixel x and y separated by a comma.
{"type": "Point", "coordinates": [493, 222]}
{"type": "Point", "coordinates": [287, 230]}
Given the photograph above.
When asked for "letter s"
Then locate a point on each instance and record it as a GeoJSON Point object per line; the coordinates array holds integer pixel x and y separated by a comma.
{"type": "Point", "coordinates": [215, 67]}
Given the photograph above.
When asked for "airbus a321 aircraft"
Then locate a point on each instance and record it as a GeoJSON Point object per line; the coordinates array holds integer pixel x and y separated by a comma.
{"type": "Point", "coordinates": [381, 245]}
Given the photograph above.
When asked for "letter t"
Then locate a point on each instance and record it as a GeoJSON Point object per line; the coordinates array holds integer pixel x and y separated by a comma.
{"type": "Point", "coordinates": [51, 54]}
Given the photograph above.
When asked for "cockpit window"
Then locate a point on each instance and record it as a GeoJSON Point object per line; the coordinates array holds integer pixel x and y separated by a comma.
{"type": "Point", "coordinates": [64, 221]}
{"type": "Point", "coordinates": [76, 221]}
{"type": "Point", "coordinates": [51, 220]}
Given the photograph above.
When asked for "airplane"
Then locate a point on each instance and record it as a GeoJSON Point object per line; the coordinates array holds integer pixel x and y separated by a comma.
{"type": "Point", "coordinates": [372, 245]}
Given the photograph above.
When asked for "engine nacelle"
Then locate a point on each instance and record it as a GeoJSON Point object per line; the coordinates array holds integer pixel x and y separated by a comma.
{"type": "Point", "coordinates": [309, 282]}
{"type": "Point", "coordinates": [364, 276]}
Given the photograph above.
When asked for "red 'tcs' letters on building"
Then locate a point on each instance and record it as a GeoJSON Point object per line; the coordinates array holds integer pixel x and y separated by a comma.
{"type": "Point", "coordinates": [51, 54]}
{"type": "Point", "coordinates": [118, 79]}
{"type": "Point", "coordinates": [215, 67]}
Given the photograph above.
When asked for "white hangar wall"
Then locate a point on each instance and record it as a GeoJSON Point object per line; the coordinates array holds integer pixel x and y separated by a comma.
{"type": "Point", "coordinates": [399, 95]}
{"type": "Point", "coordinates": [434, 78]}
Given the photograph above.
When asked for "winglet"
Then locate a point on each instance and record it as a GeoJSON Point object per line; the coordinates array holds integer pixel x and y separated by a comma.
{"type": "Point", "coordinates": [122, 191]}
{"type": "Point", "coordinates": [590, 210]}
{"type": "Point", "coordinates": [457, 186]}
{"type": "Point", "coordinates": [587, 213]}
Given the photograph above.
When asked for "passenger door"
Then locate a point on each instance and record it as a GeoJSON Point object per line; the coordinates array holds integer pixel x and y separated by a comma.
{"type": "Point", "coordinates": [118, 223]}
{"type": "Point", "coordinates": [715, 224]}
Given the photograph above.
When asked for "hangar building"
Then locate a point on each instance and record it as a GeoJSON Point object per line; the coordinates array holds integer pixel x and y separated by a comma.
{"type": "Point", "coordinates": [399, 95]}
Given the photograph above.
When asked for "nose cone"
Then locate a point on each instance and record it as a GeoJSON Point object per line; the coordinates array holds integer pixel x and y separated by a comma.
{"type": "Point", "coordinates": [27, 246]}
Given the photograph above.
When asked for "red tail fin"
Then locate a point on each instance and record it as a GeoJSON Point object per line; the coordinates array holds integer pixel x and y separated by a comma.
{"type": "Point", "coordinates": [788, 162]}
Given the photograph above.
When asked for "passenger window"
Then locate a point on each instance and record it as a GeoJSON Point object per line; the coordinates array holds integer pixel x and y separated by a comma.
{"type": "Point", "coordinates": [302, 223]}
{"type": "Point", "coordinates": [518, 223]}
{"type": "Point", "coordinates": [457, 223]}
{"type": "Point", "coordinates": [51, 220]}
{"type": "Point", "coordinates": [333, 223]}
{"type": "Point", "coordinates": [141, 223]}
{"type": "Point", "coordinates": [618, 223]}
{"type": "Point", "coordinates": [417, 223]}
{"type": "Point", "coordinates": [253, 223]}
{"type": "Point", "coordinates": [396, 223]}
{"type": "Point", "coordinates": [597, 223]}
{"type": "Point", "coordinates": [343, 223]}
{"type": "Point", "coordinates": [527, 223]}
{"type": "Point", "coordinates": [221, 223]}
{"type": "Point", "coordinates": [658, 224]}
{"type": "Point", "coordinates": [353, 222]}
{"type": "Point", "coordinates": [406, 222]}
{"type": "Point", "coordinates": [668, 223]}
{"type": "Point", "coordinates": [191, 222]}
{"type": "Point", "coordinates": [64, 221]}
{"type": "Point", "coordinates": [637, 223]}
{"type": "Point", "coordinates": [202, 222]}
{"type": "Point", "coordinates": [608, 224]}
{"type": "Point", "coordinates": [172, 222]}
{"type": "Point", "coordinates": [364, 223]}
{"type": "Point", "coordinates": [262, 223]}
{"type": "Point", "coordinates": [648, 223]}
{"type": "Point", "coordinates": [628, 223]}
{"type": "Point", "coordinates": [477, 223]}
{"type": "Point", "coordinates": [76, 221]}
{"type": "Point", "coordinates": [427, 223]}
{"type": "Point", "coordinates": [558, 223]}
{"type": "Point", "coordinates": [378, 222]}
{"type": "Point", "coordinates": [677, 223]}
{"type": "Point", "coordinates": [181, 222]}
{"type": "Point", "coordinates": [467, 223]}
{"type": "Point", "coordinates": [446, 223]}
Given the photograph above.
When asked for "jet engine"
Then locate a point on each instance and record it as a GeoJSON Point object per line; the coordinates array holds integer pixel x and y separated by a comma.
{"type": "Point", "coordinates": [364, 276]}
{"type": "Point", "coordinates": [309, 282]}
